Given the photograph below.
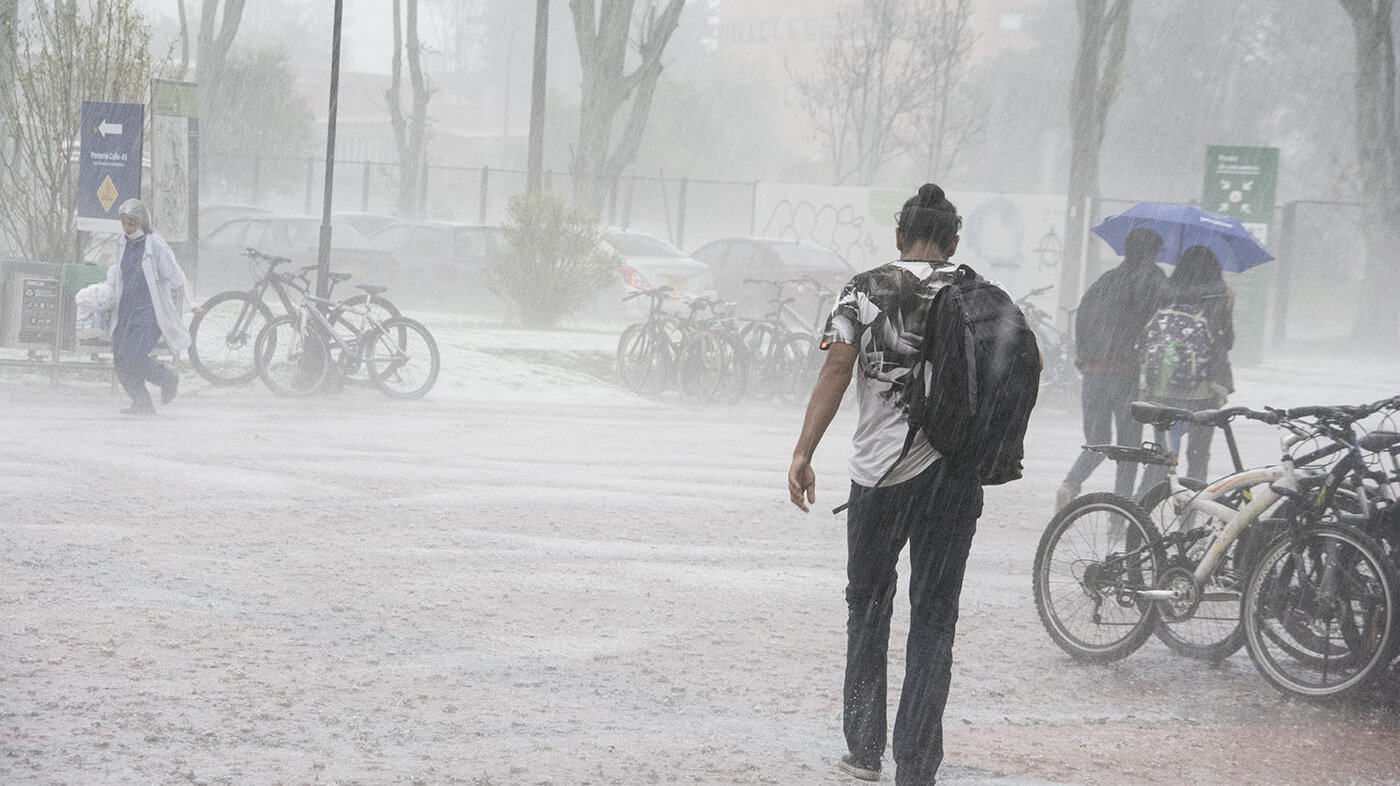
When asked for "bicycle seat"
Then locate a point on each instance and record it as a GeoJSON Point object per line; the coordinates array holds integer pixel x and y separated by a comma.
{"type": "Point", "coordinates": [1377, 441]}
{"type": "Point", "coordinates": [1158, 415]}
{"type": "Point", "coordinates": [339, 277]}
{"type": "Point", "coordinates": [373, 289]}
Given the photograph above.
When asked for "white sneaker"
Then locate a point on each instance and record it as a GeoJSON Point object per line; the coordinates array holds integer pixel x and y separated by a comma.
{"type": "Point", "coordinates": [850, 767]}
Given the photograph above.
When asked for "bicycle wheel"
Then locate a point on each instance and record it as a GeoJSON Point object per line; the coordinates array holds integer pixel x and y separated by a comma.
{"type": "Point", "coordinates": [1204, 625]}
{"type": "Point", "coordinates": [352, 326]}
{"type": "Point", "coordinates": [1320, 612]}
{"type": "Point", "coordinates": [735, 378]}
{"type": "Point", "coordinates": [643, 359]}
{"type": "Point", "coordinates": [700, 369]}
{"type": "Point", "coordinates": [221, 338]}
{"type": "Point", "coordinates": [401, 358]}
{"type": "Point", "coordinates": [291, 362]}
{"type": "Point", "coordinates": [760, 341]}
{"type": "Point", "coordinates": [1096, 553]}
{"type": "Point", "coordinates": [798, 362]}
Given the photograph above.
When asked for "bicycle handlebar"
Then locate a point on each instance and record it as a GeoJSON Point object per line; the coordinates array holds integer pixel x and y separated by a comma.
{"type": "Point", "coordinates": [657, 292]}
{"type": "Point", "coordinates": [271, 259]}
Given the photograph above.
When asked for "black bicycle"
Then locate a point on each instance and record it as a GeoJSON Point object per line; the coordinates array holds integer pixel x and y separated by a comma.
{"type": "Point", "coordinates": [221, 337]}
{"type": "Point", "coordinates": [1059, 377]}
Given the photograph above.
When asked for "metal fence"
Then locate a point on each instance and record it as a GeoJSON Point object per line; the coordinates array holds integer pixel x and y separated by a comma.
{"type": "Point", "coordinates": [685, 211]}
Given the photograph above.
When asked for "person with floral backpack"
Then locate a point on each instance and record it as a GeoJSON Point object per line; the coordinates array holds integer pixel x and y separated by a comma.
{"type": "Point", "coordinates": [1186, 352]}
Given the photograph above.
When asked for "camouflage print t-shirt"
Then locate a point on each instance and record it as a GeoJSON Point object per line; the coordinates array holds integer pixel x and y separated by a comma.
{"type": "Point", "coordinates": [880, 313]}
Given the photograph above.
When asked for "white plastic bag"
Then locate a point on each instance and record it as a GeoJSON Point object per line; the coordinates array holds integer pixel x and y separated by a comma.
{"type": "Point", "coordinates": [94, 305]}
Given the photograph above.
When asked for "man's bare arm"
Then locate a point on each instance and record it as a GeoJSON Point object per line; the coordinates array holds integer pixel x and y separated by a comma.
{"type": "Point", "coordinates": [821, 409]}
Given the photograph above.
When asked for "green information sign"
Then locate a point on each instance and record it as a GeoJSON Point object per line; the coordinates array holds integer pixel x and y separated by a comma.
{"type": "Point", "coordinates": [1241, 182]}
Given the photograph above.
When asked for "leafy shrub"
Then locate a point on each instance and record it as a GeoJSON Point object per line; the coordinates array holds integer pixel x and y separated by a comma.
{"type": "Point", "coordinates": [555, 261]}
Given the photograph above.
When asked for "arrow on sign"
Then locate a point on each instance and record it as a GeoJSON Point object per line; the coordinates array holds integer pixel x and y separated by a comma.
{"type": "Point", "coordinates": [104, 128]}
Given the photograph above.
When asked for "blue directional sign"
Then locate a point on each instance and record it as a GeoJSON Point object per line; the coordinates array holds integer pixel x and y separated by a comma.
{"type": "Point", "coordinates": [109, 172]}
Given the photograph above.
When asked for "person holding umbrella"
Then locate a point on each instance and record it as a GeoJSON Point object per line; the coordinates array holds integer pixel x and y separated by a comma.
{"type": "Point", "coordinates": [1110, 318]}
{"type": "Point", "coordinates": [1185, 351]}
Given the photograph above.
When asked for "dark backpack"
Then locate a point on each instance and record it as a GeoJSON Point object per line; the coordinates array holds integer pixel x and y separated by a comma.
{"type": "Point", "coordinates": [1176, 350]}
{"type": "Point", "coordinates": [974, 384]}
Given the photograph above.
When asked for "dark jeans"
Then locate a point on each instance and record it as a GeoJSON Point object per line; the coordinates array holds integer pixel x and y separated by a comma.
{"type": "Point", "coordinates": [936, 514]}
{"type": "Point", "coordinates": [132, 343]}
{"type": "Point", "coordinates": [1105, 399]}
{"type": "Point", "coordinates": [1198, 439]}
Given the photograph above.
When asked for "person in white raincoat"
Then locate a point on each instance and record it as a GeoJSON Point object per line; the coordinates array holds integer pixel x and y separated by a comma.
{"type": "Point", "coordinates": [151, 291]}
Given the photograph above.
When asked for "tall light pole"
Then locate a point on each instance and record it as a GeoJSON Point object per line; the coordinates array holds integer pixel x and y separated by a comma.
{"type": "Point", "coordinates": [534, 167]}
{"type": "Point", "coordinates": [323, 254]}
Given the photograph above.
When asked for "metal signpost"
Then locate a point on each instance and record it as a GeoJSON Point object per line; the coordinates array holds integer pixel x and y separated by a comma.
{"type": "Point", "coordinates": [109, 171]}
{"type": "Point", "coordinates": [1241, 182]}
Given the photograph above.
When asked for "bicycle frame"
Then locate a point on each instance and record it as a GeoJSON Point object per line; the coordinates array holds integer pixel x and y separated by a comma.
{"type": "Point", "coordinates": [1263, 488]}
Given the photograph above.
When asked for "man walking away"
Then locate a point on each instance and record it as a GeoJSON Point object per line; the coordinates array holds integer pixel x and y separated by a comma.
{"type": "Point", "coordinates": [1111, 316]}
{"type": "Point", "coordinates": [922, 502]}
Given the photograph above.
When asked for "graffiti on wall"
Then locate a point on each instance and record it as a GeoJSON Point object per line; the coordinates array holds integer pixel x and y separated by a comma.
{"type": "Point", "coordinates": [1013, 239]}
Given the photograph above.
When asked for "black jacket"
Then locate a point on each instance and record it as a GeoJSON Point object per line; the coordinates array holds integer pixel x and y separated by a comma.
{"type": "Point", "coordinates": [1112, 314]}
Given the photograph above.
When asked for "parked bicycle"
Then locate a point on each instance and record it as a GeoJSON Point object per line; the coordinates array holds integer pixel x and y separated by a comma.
{"type": "Point", "coordinates": [1059, 377]}
{"type": "Point", "coordinates": [782, 347]}
{"type": "Point", "coordinates": [295, 353]}
{"type": "Point", "coordinates": [684, 351]}
{"type": "Point", "coordinates": [1316, 595]}
{"type": "Point", "coordinates": [221, 338]}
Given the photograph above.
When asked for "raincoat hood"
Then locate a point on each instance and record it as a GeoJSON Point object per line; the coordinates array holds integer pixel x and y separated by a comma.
{"type": "Point", "coordinates": [137, 210]}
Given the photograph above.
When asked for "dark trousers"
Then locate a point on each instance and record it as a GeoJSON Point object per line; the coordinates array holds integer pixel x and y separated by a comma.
{"type": "Point", "coordinates": [132, 343]}
{"type": "Point", "coordinates": [1198, 439]}
{"type": "Point", "coordinates": [1106, 399]}
{"type": "Point", "coordinates": [936, 514]}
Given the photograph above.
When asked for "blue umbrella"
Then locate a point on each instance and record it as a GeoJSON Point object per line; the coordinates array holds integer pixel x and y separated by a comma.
{"type": "Point", "coordinates": [1183, 226]}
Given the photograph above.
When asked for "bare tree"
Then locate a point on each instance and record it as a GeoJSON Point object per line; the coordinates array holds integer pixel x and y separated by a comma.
{"type": "Point", "coordinates": [602, 30]}
{"type": "Point", "coordinates": [1378, 151]}
{"type": "Point", "coordinates": [66, 53]}
{"type": "Point", "coordinates": [875, 79]}
{"type": "Point", "coordinates": [1098, 73]}
{"type": "Point", "coordinates": [943, 123]}
{"type": "Point", "coordinates": [410, 131]}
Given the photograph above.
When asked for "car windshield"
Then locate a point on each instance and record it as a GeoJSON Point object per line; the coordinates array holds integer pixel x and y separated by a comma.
{"type": "Point", "coordinates": [630, 245]}
{"type": "Point", "coordinates": [307, 232]}
{"type": "Point", "coordinates": [809, 257]}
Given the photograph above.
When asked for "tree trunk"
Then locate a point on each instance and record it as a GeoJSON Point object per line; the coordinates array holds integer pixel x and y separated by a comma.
{"type": "Point", "coordinates": [184, 42]}
{"type": "Point", "coordinates": [410, 132]}
{"type": "Point", "coordinates": [1103, 35]}
{"type": "Point", "coordinates": [602, 33]}
{"type": "Point", "coordinates": [9, 19]}
{"type": "Point", "coordinates": [1378, 154]}
{"type": "Point", "coordinates": [216, 36]}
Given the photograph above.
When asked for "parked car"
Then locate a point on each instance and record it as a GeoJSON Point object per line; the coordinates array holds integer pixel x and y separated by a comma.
{"type": "Point", "coordinates": [733, 259]}
{"type": "Point", "coordinates": [649, 262]}
{"type": "Point", "coordinates": [367, 223]}
{"type": "Point", "coordinates": [211, 216]}
{"type": "Point", "coordinates": [222, 264]}
{"type": "Point", "coordinates": [444, 263]}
